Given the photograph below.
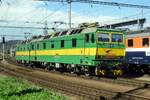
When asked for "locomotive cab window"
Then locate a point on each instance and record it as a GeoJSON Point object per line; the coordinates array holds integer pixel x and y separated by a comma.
{"type": "Point", "coordinates": [92, 38]}
{"type": "Point", "coordinates": [74, 42]}
{"type": "Point", "coordinates": [145, 41]}
{"type": "Point", "coordinates": [117, 38]}
{"type": "Point", "coordinates": [103, 37]}
{"type": "Point", "coordinates": [130, 42]}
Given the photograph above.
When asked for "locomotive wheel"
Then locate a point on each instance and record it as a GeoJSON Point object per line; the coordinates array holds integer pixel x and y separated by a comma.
{"type": "Point", "coordinates": [87, 73]}
{"type": "Point", "coordinates": [72, 70]}
{"type": "Point", "coordinates": [50, 68]}
{"type": "Point", "coordinates": [117, 72]}
{"type": "Point", "coordinates": [99, 72]}
{"type": "Point", "coordinates": [148, 70]}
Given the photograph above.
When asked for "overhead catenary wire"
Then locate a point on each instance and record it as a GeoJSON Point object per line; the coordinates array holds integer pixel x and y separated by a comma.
{"type": "Point", "coordinates": [11, 35]}
{"type": "Point", "coordinates": [102, 3]}
{"type": "Point", "coordinates": [43, 19]}
{"type": "Point", "coordinates": [51, 14]}
{"type": "Point", "coordinates": [24, 27]}
{"type": "Point", "coordinates": [21, 27]}
{"type": "Point", "coordinates": [33, 12]}
{"type": "Point", "coordinates": [129, 17]}
{"type": "Point", "coordinates": [96, 2]}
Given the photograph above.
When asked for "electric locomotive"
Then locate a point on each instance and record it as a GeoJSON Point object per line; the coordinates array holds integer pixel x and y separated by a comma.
{"type": "Point", "coordinates": [92, 51]}
{"type": "Point", "coordinates": [138, 51]}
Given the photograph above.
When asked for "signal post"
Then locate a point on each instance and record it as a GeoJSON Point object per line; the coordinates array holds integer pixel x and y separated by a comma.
{"type": "Point", "coordinates": [3, 41]}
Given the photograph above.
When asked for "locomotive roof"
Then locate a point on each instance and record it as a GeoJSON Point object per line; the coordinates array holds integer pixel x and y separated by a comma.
{"type": "Point", "coordinates": [142, 34]}
{"type": "Point", "coordinates": [66, 33]}
{"type": "Point", "coordinates": [58, 34]}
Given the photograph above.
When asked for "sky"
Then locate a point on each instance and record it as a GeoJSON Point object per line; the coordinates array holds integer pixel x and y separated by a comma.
{"type": "Point", "coordinates": [32, 13]}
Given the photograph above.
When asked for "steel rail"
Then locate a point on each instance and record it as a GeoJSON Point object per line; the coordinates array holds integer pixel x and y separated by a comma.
{"type": "Point", "coordinates": [84, 91]}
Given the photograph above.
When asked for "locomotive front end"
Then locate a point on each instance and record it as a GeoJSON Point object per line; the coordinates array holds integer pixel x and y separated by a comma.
{"type": "Point", "coordinates": [110, 52]}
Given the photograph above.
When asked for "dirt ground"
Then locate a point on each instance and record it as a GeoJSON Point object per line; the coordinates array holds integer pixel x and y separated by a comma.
{"type": "Point", "coordinates": [93, 83]}
{"type": "Point", "coordinates": [144, 78]}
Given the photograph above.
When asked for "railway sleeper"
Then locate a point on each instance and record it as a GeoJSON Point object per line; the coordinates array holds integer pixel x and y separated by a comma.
{"type": "Point", "coordinates": [130, 94]}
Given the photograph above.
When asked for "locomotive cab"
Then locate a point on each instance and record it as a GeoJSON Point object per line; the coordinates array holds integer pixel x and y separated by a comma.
{"type": "Point", "coordinates": [110, 52]}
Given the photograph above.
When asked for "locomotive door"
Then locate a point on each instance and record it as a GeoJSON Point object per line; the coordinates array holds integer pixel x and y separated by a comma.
{"type": "Point", "coordinates": [35, 52]}
{"type": "Point", "coordinates": [86, 47]}
{"type": "Point", "coordinates": [29, 49]}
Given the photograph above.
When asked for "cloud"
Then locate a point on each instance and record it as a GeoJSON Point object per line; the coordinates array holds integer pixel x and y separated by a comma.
{"type": "Point", "coordinates": [18, 11]}
{"type": "Point", "coordinates": [25, 10]}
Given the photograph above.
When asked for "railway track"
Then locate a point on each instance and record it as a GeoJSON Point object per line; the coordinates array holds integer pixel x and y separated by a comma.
{"type": "Point", "coordinates": [138, 93]}
{"type": "Point", "coordinates": [76, 89]}
{"type": "Point", "coordinates": [83, 91]}
{"type": "Point", "coordinates": [123, 81]}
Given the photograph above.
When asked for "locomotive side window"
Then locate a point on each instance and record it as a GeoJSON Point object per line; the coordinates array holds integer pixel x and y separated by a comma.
{"type": "Point", "coordinates": [28, 48]}
{"type": "Point", "coordinates": [130, 42]}
{"type": "Point", "coordinates": [74, 42]}
{"type": "Point", "coordinates": [117, 38]}
{"type": "Point", "coordinates": [44, 45]}
{"type": "Point", "coordinates": [87, 38]}
{"type": "Point", "coordinates": [103, 37]}
{"type": "Point", "coordinates": [62, 43]}
{"type": "Point", "coordinates": [37, 46]}
{"type": "Point", "coordinates": [145, 42]}
{"type": "Point", "coordinates": [52, 45]}
{"type": "Point", "coordinates": [32, 47]}
{"type": "Point", "coordinates": [92, 38]}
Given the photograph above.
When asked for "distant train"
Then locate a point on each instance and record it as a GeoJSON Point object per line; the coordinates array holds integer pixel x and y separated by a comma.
{"type": "Point", "coordinates": [138, 51]}
{"type": "Point", "coordinates": [92, 51]}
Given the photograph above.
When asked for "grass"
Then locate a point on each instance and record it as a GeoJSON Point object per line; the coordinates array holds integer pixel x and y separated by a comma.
{"type": "Point", "coordinates": [18, 89]}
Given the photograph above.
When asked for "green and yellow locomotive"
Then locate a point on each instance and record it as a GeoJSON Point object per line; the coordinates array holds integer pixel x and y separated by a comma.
{"type": "Point", "coordinates": [92, 51]}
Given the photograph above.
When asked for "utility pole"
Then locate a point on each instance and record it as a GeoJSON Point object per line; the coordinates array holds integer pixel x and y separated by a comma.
{"type": "Point", "coordinates": [69, 12]}
{"type": "Point", "coordinates": [27, 33]}
{"type": "Point", "coordinates": [3, 41]}
{"type": "Point", "coordinates": [45, 28]}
